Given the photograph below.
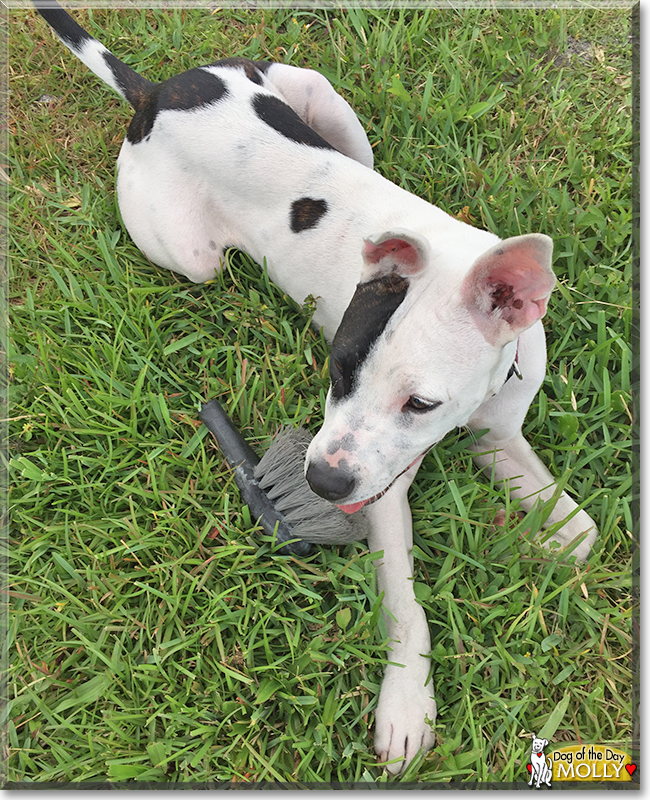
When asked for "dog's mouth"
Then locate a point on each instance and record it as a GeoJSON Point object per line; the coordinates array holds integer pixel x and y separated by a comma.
{"type": "Point", "coordinates": [350, 508]}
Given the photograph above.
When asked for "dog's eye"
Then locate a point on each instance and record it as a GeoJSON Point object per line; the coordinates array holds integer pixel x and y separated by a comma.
{"type": "Point", "coordinates": [417, 404]}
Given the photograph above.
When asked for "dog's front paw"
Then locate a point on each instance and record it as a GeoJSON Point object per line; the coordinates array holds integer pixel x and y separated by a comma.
{"type": "Point", "coordinates": [405, 713]}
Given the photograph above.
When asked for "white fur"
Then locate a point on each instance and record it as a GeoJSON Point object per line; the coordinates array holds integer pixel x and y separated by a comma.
{"type": "Point", "coordinates": [91, 53]}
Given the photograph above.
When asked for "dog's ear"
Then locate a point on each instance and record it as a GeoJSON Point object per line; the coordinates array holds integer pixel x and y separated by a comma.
{"type": "Point", "coordinates": [401, 252]}
{"type": "Point", "coordinates": [508, 287]}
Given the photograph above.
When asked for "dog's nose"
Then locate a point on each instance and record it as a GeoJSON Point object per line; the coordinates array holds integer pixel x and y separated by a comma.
{"type": "Point", "coordinates": [329, 482]}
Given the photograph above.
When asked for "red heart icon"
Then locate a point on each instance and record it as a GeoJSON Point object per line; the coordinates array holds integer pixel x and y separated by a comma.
{"type": "Point", "coordinates": [630, 768]}
{"type": "Point", "coordinates": [529, 768]}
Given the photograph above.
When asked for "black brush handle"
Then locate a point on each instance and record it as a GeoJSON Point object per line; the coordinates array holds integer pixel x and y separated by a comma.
{"type": "Point", "coordinates": [233, 445]}
{"type": "Point", "coordinates": [242, 459]}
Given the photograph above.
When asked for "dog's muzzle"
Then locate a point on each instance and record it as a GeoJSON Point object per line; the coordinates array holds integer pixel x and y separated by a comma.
{"type": "Point", "coordinates": [335, 484]}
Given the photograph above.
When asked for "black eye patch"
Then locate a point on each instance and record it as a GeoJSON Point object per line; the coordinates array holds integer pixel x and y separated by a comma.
{"type": "Point", "coordinates": [364, 320]}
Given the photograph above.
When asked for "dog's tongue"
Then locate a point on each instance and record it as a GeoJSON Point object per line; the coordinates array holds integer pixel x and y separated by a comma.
{"type": "Point", "coordinates": [352, 507]}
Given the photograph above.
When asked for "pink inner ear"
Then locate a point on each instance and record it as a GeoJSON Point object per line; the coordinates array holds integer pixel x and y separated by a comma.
{"type": "Point", "coordinates": [520, 290]}
{"type": "Point", "coordinates": [508, 287]}
{"type": "Point", "coordinates": [401, 251]}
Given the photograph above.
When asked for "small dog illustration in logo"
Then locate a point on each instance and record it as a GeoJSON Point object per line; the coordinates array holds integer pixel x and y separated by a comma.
{"type": "Point", "coordinates": [540, 766]}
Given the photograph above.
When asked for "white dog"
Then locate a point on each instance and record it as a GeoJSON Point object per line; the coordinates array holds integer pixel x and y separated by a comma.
{"type": "Point", "coordinates": [434, 324]}
{"type": "Point", "coordinates": [541, 768]}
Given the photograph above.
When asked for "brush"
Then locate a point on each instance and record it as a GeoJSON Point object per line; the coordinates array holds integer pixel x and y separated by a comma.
{"type": "Point", "coordinates": [275, 488]}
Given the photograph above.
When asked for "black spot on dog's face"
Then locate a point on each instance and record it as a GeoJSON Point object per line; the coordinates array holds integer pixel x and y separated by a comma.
{"type": "Point", "coordinates": [284, 120]}
{"type": "Point", "coordinates": [364, 320]}
{"type": "Point", "coordinates": [252, 69]}
{"type": "Point", "coordinates": [306, 213]}
{"type": "Point", "coordinates": [192, 89]}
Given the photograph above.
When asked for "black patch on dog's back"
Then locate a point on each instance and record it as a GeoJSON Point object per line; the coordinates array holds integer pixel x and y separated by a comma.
{"type": "Point", "coordinates": [306, 213]}
{"type": "Point", "coordinates": [252, 69]}
{"type": "Point", "coordinates": [283, 119]}
{"type": "Point", "coordinates": [189, 90]}
{"type": "Point", "coordinates": [364, 320]}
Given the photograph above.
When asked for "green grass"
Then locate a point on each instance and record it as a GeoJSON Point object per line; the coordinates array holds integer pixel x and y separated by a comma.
{"type": "Point", "coordinates": [153, 634]}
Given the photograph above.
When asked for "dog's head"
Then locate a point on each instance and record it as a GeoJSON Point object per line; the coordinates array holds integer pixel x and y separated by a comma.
{"type": "Point", "coordinates": [427, 337]}
{"type": "Point", "coordinates": [538, 745]}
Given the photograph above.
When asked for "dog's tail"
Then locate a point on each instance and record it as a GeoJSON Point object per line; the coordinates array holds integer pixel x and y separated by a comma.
{"type": "Point", "coordinates": [133, 87]}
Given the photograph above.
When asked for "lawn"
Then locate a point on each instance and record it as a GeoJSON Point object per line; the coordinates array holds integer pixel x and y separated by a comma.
{"type": "Point", "coordinates": [153, 633]}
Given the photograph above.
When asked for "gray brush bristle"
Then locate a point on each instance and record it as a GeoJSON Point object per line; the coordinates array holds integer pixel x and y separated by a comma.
{"type": "Point", "coordinates": [281, 474]}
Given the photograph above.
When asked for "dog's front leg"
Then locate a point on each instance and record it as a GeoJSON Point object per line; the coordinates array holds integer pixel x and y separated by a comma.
{"type": "Point", "coordinates": [515, 463]}
{"type": "Point", "coordinates": [406, 704]}
{"type": "Point", "coordinates": [505, 453]}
